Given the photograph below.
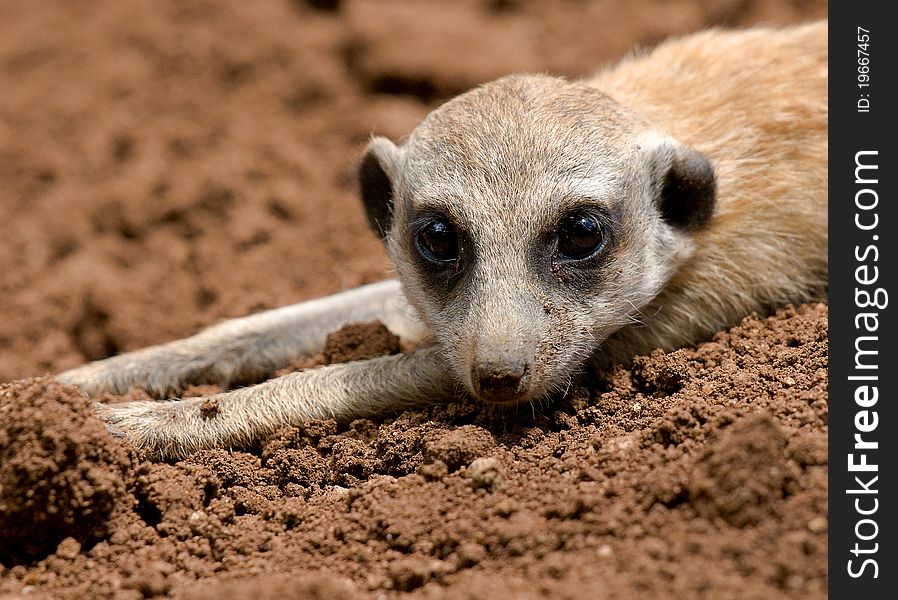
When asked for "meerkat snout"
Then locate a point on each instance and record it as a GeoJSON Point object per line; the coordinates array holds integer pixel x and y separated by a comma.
{"type": "Point", "coordinates": [495, 351]}
{"type": "Point", "coordinates": [504, 380]}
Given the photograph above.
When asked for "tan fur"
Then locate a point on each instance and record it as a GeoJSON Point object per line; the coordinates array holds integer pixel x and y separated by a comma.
{"type": "Point", "coordinates": [505, 162]}
{"type": "Point", "coordinates": [757, 103]}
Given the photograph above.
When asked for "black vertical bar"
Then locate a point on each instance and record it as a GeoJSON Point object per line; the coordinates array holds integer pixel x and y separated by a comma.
{"type": "Point", "coordinates": [863, 424]}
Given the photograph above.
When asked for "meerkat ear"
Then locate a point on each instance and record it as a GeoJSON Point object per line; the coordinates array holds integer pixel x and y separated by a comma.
{"type": "Point", "coordinates": [376, 176]}
{"type": "Point", "coordinates": [685, 184]}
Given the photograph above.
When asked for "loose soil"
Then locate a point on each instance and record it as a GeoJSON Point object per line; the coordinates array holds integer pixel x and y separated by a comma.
{"type": "Point", "coordinates": [166, 164]}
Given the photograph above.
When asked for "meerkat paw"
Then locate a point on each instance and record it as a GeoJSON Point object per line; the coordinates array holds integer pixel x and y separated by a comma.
{"type": "Point", "coordinates": [166, 429]}
{"type": "Point", "coordinates": [160, 372]}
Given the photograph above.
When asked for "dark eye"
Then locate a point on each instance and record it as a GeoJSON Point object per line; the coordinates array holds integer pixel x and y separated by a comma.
{"type": "Point", "coordinates": [580, 236]}
{"type": "Point", "coordinates": [437, 241]}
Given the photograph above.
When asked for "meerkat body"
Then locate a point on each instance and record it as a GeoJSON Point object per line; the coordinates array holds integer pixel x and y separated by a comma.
{"type": "Point", "coordinates": [534, 224]}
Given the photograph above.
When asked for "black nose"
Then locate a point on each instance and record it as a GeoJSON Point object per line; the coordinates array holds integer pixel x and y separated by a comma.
{"type": "Point", "coordinates": [501, 384]}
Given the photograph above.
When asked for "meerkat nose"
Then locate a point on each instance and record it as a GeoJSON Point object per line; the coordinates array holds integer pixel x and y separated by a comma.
{"type": "Point", "coordinates": [507, 383]}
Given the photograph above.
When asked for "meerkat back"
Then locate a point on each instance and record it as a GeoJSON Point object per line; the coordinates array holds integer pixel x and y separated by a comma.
{"type": "Point", "coordinates": [755, 103]}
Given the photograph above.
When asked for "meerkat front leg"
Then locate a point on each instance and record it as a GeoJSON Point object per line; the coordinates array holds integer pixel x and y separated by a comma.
{"type": "Point", "coordinates": [240, 417]}
{"type": "Point", "coordinates": [249, 348]}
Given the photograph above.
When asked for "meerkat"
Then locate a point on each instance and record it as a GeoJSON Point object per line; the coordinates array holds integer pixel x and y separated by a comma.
{"type": "Point", "coordinates": [536, 224]}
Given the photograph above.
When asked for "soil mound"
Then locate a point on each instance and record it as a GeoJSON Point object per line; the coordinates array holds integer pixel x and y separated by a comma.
{"type": "Point", "coordinates": [61, 474]}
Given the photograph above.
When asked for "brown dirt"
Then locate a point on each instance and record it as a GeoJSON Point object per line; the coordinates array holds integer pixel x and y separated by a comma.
{"type": "Point", "coordinates": [167, 164]}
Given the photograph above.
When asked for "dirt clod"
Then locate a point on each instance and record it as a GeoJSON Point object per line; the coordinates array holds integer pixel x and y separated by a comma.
{"type": "Point", "coordinates": [360, 341]}
{"type": "Point", "coordinates": [741, 475]}
{"type": "Point", "coordinates": [485, 472]}
{"type": "Point", "coordinates": [61, 474]}
{"type": "Point", "coordinates": [458, 447]}
{"type": "Point", "coordinates": [209, 408]}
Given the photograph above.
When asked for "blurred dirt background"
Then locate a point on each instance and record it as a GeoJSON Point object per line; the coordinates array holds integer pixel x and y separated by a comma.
{"type": "Point", "coordinates": [165, 164]}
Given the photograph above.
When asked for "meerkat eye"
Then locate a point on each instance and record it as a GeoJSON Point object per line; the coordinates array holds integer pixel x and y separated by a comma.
{"type": "Point", "coordinates": [437, 241]}
{"type": "Point", "coordinates": [580, 236]}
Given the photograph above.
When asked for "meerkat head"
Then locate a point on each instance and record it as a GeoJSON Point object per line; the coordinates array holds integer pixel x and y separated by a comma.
{"type": "Point", "coordinates": [528, 220]}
